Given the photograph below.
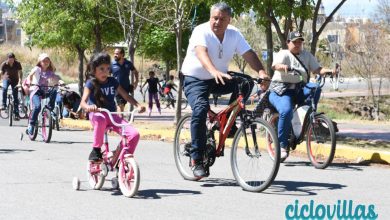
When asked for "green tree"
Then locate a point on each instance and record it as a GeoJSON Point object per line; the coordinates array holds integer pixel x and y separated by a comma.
{"type": "Point", "coordinates": [160, 44]}
{"type": "Point", "coordinates": [76, 25]}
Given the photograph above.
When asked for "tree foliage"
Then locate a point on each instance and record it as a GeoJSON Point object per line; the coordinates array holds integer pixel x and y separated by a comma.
{"type": "Point", "coordinates": [73, 24]}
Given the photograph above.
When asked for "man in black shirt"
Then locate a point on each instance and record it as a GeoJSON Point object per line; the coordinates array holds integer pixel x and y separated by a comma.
{"type": "Point", "coordinates": [11, 73]}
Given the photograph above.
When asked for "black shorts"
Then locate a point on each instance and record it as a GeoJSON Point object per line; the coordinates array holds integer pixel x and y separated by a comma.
{"type": "Point", "coordinates": [120, 100]}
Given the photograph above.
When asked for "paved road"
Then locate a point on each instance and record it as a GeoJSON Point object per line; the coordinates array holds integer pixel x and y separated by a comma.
{"type": "Point", "coordinates": [36, 184]}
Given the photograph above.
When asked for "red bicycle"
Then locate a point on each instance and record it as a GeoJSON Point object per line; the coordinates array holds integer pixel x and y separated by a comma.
{"type": "Point", "coordinates": [251, 164]}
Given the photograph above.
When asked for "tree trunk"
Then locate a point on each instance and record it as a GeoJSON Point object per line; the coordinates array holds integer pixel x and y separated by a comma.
{"type": "Point", "coordinates": [270, 46]}
{"type": "Point", "coordinates": [97, 32]}
{"type": "Point", "coordinates": [80, 53]}
{"type": "Point", "coordinates": [178, 32]}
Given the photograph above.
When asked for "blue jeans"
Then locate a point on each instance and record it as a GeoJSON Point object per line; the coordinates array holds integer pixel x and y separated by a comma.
{"type": "Point", "coordinates": [6, 84]}
{"type": "Point", "coordinates": [197, 92]}
{"type": "Point", "coordinates": [36, 103]}
{"type": "Point", "coordinates": [284, 104]}
{"type": "Point", "coordinates": [75, 107]}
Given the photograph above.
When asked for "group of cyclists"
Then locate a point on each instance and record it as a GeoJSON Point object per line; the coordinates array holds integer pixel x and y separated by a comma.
{"type": "Point", "coordinates": [211, 48]}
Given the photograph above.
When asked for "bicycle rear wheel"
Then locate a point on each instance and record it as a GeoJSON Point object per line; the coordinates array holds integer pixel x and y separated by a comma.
{"type": "Point", "coordinates": [182, 146]}
{"type": "Point", "coordinates": [128, 176]}
{"type": "Point", "coordinates": [47, 125]}
{"type": "Point", "coordinates": [252, 165]}
{"type": "Point", "coordinates": [95, 174]}
{"type": "Point", "coordinates": [11, 114]}
{"type": "Point", "coordinates": [321, 142]}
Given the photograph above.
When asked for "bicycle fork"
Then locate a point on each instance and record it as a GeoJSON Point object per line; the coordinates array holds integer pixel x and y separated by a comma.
{"type": "Point", "coordinates": [246, 123]}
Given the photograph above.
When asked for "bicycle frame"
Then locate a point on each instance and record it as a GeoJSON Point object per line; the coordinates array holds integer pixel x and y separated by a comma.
{"type": "Point", "coordinates": [225, 123]}
{"type": "Point", "coordinates": [122, 148]}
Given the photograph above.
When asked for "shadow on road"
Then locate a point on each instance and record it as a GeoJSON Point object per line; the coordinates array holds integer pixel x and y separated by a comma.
{"type": "Point", "coordinates": [71, 142]}
{"type": "Point", "coordinates": [160, 193]}
{"type": "Point", "coordinates": [10, 151]}
{"type": "Point", "coordinates": [300, 188]}
{"type": "Point", "coordinates": [333, 166]}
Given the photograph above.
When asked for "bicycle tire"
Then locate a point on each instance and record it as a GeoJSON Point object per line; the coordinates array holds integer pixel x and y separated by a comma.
{"type": "Point", "coordinates": [56, 121]}
{"type": "Point", "coordinates": [35, 133]}
{"type": "Point", "coordinates": [181, 145]}
{"type": "Point", "coordinates": [11, 114]}
{"type": "Point", "coordinates": [129, 176]}
{"type": "Point", "coordinates": [96, 178]}
{"type": "Point", "coordinates": [23, 111]}
{"type": "Point", "coordinates": [183, 103]}
{"type": "Point", "coordinates": [242, 160]}
{"type": "Point", "coordinates": [47, 125]}
{"type": "Point", "coordinates": [317, 136]}
{"type": "Point", "coordinates": [4, 113]}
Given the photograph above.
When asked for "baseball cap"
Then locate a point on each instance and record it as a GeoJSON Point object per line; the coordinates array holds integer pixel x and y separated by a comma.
{"type": "Point", "coordinates": [42, 56]}
{"type": "Point", "coordinates": [295, 35]}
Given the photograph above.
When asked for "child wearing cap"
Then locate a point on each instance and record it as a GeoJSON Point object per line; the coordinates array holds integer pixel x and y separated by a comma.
{"type": "Point", "coordinates": [42, 76]}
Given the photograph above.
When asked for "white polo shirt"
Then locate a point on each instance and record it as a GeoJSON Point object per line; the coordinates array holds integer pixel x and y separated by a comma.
{"type": "Point", "coordinates": [219, 53]}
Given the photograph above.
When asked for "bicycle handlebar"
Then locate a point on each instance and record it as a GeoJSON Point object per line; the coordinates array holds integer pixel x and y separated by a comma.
{"type": "Point", "coordinates": [115, 113]}
{"type": "Point", "coordinates": [239, 78]}
{"type": "Point", "coordinates": [55, 85]}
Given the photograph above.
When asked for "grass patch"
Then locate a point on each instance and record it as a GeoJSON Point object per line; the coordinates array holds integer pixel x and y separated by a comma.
{"type": "Point", "coordinates": [362, 143]}
{"type": "Point", "coordinates": [334, 108]}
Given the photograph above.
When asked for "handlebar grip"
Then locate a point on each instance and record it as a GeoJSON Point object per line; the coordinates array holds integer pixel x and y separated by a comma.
{"type": "Point", "coordinates": [112, 119]}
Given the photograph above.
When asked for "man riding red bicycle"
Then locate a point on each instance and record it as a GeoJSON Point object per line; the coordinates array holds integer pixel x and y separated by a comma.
{"type": "Point", "coordinates": [211, 47]}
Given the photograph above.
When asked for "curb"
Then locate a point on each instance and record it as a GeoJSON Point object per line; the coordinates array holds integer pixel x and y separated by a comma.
{"type": "Point", "coordinates": [358, 155]}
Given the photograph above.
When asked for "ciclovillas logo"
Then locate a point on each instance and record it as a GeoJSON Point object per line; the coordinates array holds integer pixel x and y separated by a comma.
{"type": "Point", "coordinates": [343, 209]}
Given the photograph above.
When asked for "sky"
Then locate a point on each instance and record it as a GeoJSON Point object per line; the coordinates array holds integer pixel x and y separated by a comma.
{"type": "Point", "coordinates": [352, 8]}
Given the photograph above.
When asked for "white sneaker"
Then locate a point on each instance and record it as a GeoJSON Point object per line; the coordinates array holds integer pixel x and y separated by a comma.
{"type": "Point", "coordinates": [283, 153]}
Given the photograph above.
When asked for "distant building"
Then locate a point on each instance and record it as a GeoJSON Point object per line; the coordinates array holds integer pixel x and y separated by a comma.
{"type": "Point", "coordinates": [10, 30]}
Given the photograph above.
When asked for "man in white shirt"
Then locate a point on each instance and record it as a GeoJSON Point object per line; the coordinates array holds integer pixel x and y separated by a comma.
{"type": "Point", "coordinates": [287, 88]}
{"type": "Point", "coordinates": [212, 46]}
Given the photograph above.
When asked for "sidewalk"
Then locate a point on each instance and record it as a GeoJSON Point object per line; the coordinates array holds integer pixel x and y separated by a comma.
{"type": "Point", "coordinates": [161, 127]}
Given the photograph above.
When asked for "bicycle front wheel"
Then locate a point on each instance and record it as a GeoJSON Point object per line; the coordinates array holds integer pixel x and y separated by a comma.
{"type": "Point", "coordinates": [47, 125]}
{"type": "Point", "coordinates": [183, 103]}
{"type": "Point", "coordinates": [128, 176]}
{"type": "Point", "coordinates": [56, 120]}
{"type": "Point", "coordinates": [252, 165]}
{"type": "Point", "coordinates": [23, 111]}
{"type": "Point", "coordinates": [321, 141]}
{"type": "Point", "coordinates": [4, 114]}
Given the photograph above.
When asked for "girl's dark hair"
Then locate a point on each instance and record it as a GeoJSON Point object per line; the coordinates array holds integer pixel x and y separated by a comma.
{"type": "Point", "coordinates": [97, 60]}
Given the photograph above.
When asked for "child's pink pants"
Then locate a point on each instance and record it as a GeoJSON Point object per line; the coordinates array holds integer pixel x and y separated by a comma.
{"type": "Point", "coordinates": [100, 121]}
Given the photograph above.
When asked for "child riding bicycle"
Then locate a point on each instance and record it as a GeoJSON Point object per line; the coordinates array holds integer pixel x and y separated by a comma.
{"type": "Point", "coordinates": [42, 76]}
{"type": "Point", "coordinates": [99, 92]}
{"type": "Point", "coordinates": [167, 90]}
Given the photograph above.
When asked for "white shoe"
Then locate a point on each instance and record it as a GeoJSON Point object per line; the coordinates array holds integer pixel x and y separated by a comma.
{"type": "Point", "coordinates": [283, 153]}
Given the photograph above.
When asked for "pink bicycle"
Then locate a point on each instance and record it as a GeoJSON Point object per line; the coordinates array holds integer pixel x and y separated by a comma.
{"type": "Point", "coordinates": [120, 160]}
